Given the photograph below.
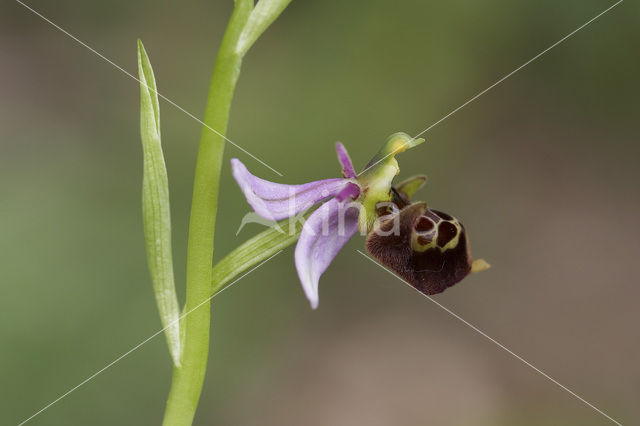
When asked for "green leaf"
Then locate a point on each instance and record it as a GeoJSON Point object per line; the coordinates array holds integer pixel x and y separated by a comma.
{"type": "Point", "coordinates": [255, 250]}
{"type": "Point", "coordinates": [263, 15]}
{"type": "Point", "coordinates": [155, 207]}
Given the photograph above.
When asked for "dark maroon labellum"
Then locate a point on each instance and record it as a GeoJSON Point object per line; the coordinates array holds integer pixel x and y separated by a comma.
{"type": "Point", "coordinates": [430, 250]}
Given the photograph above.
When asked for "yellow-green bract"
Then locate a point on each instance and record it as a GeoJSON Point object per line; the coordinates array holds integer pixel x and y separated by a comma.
{"type": "Point", "coordinates": [155, 208]}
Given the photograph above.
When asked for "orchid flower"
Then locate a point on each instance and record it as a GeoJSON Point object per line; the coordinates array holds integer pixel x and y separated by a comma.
{"type": "Point", "coordinates": [328, 228]}
{"type": "Point", "coordinates": [365, 202]}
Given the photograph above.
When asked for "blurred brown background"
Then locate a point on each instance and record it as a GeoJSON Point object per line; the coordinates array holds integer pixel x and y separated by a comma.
{"type": "Point", "coordinates": [543, 170]}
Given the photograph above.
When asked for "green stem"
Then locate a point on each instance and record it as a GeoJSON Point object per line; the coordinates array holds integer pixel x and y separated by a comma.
{"type": "Point", "coordinates": [187, 380]}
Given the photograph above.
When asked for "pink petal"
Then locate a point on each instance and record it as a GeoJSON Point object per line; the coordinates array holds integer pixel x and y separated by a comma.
{"type": "Point", "coordinates": [275, 201]}
{"type": "Point", "coordinates": [347, 166]}
{"type": "Point", "coordinates": [325, 232]}
{"type": "Point", "coordinates": [351, 191]}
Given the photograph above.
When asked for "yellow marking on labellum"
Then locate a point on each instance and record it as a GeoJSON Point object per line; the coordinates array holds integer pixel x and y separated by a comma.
{"type": "Point", "coordinates": [419, 247]}
{"type": "Point", "coordinates": [452, 243]}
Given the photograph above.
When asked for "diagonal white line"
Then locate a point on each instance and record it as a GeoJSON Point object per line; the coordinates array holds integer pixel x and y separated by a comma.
{"type": "Point", "coordinates": [500, 345]}
{"type": "Point", "coordinates": [94, 375]}
{"type": "Point", "coordinates": [275, 171]}
{"type": "Point", "coordinates": [501, 80]}
{"type": "Point", "coordinates": [519, 68]}
{"type": "Point", "coordinates": [172, 103]}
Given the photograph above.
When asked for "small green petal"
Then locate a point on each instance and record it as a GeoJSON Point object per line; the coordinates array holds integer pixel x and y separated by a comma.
{"type": "Point", "coordinates": [411, 185]}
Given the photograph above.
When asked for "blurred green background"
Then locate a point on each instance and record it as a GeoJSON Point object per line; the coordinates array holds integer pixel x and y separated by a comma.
{"type": "Point", "coordinates": [543, 170]}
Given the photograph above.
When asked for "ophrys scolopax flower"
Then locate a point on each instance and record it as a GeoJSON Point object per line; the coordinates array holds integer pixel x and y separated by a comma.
{"type": "Point", "coordinates": [427, 248]}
